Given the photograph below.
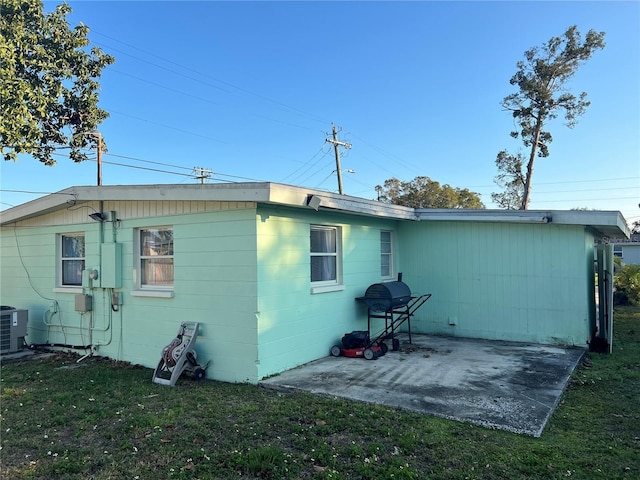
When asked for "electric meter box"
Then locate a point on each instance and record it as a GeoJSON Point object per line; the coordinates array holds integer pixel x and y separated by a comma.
{"type": "Point", "coordinates": [111, 275]}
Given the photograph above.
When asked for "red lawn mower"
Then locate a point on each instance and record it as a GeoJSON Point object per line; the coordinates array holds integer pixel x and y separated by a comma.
{"type": "Point", "coordinates": [357, 344]}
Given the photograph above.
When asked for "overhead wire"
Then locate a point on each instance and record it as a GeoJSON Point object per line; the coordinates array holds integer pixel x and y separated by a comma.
{"type": "Point", "coordinates": [126, 157]}
{"type": "Point", "coordinates": [202, 99]}
{"type": "Point", "coordinates": [168, 126]}
{"type": "Point", "coordinates": [182, 69]}
{"type": "Point", "coordinates": [390, 156]}
{"type": "Point", "coordinates": [145, 168]}
{"type": "Point", "coordinates": [217, 174]}
{"type": "Point", "coordinates": [306, 165]}
{"type": "Point", "coordinates": [583, 199]}
{"type": "Point", "coordinates": [317, 171]}
{"type": "Point", "coordinates": [145, 161]}
{"type": "Point", "coordinates": [107, 162]}
{"type": "Point", "coordinates": [179, 73]}
{"type": "Point", "coordinates": [325, 179]}
{"type": "Point", "coordinates": [238, 177]}
{"type": "Point", "coordinates": [353, 179]}
{"type": "Point", "coordinates": [588, 190]}
{"type": "Point", "coordinates": [175, 90]}
{"type": "Point", "coordinates": [35, 193]}
{"type": "Point", "coordinates": [234, 90]}
{"type": "Point", "coordinates": [224, 82]}
{"type": "Point", "coordinates": [240, 89]}
{"type": "Point", "coordinates": [568, 181]}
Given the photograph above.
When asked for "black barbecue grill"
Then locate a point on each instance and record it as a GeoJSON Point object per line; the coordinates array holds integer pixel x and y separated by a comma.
{"type": "Point", "coordinates": [382, 297]}
{"type": "Point", "coordinates": [393, 302]}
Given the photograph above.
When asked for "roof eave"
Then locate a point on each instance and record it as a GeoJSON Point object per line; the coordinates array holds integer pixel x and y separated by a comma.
{"type": "Point", "coordinates": [262, 192]}
{"type": "Point", "coordinates": [604, 224]}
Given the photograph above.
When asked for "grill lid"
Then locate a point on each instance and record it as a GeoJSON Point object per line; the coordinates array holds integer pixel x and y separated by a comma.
{"type": "Point", "coordinates": [385, 296]}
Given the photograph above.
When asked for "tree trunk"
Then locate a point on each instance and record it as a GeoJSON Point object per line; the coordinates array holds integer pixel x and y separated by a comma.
{"type": "Point", "coordinates": [532, 157]}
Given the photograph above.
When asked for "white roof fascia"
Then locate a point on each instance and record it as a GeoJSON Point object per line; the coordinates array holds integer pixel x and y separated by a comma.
{"type": "Point", "coordinates": [604, 223]}
{"type": "Point", "coordinates": [256, 192]}
{"type": "Point", "coordinates": [610, 224]}
{"type": "Point", "coordinates": [298, 196]}
{"type": "Point", "coordinates": [39, 206]}
{"type": "Point", "coordinates": [259, 192]}
{"type": "Point", "coordinates": [229, 192]}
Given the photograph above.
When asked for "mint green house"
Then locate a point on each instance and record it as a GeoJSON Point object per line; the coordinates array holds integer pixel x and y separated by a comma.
{"type": "Point", "coordinates": [272, 271]}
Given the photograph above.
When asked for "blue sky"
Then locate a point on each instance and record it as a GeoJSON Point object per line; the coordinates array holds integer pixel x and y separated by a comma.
{"type": "Point", "coordinates": [250, 91]}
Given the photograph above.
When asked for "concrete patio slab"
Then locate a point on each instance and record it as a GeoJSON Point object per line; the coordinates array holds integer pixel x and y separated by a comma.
{"type": "Point", "coordinates": [504, 385]}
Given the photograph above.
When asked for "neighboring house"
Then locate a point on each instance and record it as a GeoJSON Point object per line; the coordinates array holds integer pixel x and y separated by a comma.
{"type": "Point", "coordinates": [627, 249]}
{"type": "Point", "coordinates": [272, 271]}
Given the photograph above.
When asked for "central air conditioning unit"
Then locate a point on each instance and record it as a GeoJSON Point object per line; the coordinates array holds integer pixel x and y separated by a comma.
{"type": "Point", "coordinates": [13, 329]}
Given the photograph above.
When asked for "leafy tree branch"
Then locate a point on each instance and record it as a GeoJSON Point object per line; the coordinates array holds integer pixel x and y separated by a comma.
{"type": "Point", "coordinates": [49, 88]}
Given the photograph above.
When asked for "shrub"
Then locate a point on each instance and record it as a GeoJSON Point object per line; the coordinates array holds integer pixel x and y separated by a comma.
{"type": "Point", "coordinates": [627, 285]}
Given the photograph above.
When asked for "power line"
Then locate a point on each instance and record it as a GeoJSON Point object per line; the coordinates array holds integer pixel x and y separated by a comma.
{"type": "Point", "coordinates": [310, 166]}
{"type": "Point", "coordinates": [595, 180]}
{"type": "Point", "coordinates": [312, 174]}
{"type": "Point", "coordinates": [181, 92]}
{"type": "Point", "coordinates": [202, 99]}
{"type": "Point", "coordinates": [372, 187]}
{"type": "Point", "coordinates": [584, 200]}
{"type": "Point", "coordinates": [147, 161]}
{"type": "Point", "coordinates": [566, 181]}
{"type": "Point", "coordinates": [146, 168]}
{"type": "Point", "coordinates": [217, 174]}
{"type": "Point", "coordinates": [239, 177]}
{"type": "Point", "coordinates": [184, 67]}
{"type": "Point", "coordinates": [304, 164]}
{"type": "Point", "coordinates": [137, 167]}
{"type": "Point", "coordinates": [168, 126]}
{"type": "Point", "coordinates": [588, 190]}
{"type": "Point", "coordinates": [390, 156]}
{"type": "Point", "coordinates": [235, 88]}
{"type": "Point", "coordinates": [535, 192]}
{"type": "Point", "coordinates": [35, 193]}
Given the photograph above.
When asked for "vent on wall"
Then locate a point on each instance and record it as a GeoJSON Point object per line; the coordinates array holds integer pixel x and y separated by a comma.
{"type": "Point", "coordinates": [13, 329]}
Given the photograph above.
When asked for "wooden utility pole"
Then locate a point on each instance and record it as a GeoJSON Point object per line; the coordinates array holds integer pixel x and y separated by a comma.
{"type": "Point", "coordinates": [99, 158]}
{"type": "Point", "coordinates": [202, 173]}
{"type": "Point", "coordinates": [337, 144]}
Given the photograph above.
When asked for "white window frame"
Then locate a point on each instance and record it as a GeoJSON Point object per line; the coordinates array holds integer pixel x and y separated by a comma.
{"type": "Point", "coordinates": [390, 255]}
{"type": "Point", "coordinates": [322, 286]}
{"type": "Point", "coordinates": [150, 290]}
{"type": "Point", "coordinates": [60, 260]}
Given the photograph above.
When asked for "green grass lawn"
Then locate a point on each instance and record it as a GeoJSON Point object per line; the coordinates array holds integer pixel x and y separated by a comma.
{"type": "Point", "coordinates": [99, 419]}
